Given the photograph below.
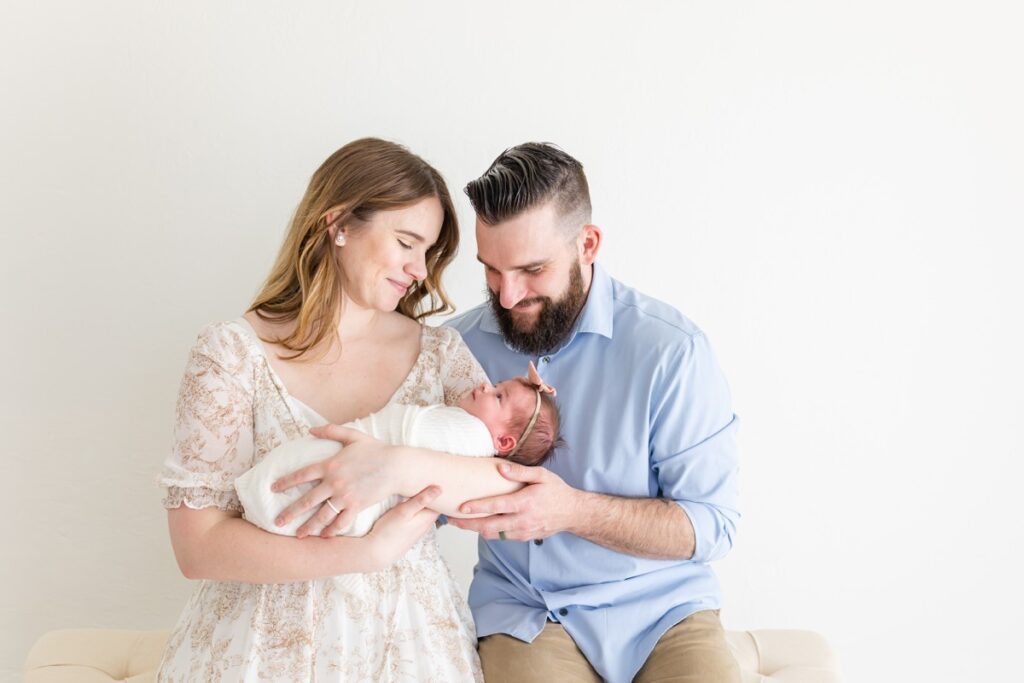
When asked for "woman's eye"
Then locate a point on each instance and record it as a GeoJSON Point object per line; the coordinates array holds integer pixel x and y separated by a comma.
{"type": "Point", "coordinates": [404, 245]}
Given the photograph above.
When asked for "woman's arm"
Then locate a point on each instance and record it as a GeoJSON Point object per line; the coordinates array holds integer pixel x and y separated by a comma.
{"type": "Point", "coordinates": [464, 477]}
{"type": "Point", "coordinates": [368, 470]}
{"type": "Point", "coordinates": [215, 544]}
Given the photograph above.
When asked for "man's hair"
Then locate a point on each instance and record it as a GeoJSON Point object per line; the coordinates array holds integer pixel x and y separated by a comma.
{"type": "Point", "coordinates": [544, 438]}
{"type": "Point", "coordinates": [526, 176]}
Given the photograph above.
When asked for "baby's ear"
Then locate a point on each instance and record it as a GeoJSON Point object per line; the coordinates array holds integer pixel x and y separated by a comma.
{"type": "Point", "coordinates": [504, 443]}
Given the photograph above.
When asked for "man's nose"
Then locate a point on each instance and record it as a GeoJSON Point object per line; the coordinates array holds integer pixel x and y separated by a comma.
{"type": "Point", "coordinates": [511, 292]}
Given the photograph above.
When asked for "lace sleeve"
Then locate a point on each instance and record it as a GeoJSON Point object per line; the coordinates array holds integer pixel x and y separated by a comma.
{"type": "Point", "coordinates": [213, 431]}
{"type": "Point", "coordinates": [460, 370]}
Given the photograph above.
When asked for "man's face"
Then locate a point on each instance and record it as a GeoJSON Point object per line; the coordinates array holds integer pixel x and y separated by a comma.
{"type": "Point", "coordinates": [535, 282]}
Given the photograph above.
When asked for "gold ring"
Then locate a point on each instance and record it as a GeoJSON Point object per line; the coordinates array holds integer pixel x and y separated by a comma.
{"type": "Point", "coordinates": [331, 505]}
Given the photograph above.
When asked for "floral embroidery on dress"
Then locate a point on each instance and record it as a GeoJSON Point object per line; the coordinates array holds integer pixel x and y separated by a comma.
{"type": "Point", "coordinates": [404, 623]}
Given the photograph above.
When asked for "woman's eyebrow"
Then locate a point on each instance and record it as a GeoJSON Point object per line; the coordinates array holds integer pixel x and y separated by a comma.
{"type": "Point", "coordinates": [415, 236]}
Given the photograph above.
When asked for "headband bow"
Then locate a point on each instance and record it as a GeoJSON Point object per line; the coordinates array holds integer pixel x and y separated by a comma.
{"type": "Point", "coordinates": [533, 377]}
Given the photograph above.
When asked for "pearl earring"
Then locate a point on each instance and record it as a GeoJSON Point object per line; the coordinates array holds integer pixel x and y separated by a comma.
{"type": "Point", "coordinates": [340, 239]}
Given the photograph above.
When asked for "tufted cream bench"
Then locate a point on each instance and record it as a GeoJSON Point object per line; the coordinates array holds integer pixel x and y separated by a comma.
{"type": "Point", "coordinates": [101, 656]}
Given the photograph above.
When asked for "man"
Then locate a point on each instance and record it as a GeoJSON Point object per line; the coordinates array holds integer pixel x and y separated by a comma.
{"type": "Point", "coordinates": [598, 568]}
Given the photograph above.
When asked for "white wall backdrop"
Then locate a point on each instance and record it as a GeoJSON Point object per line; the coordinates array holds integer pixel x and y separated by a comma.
{"type": "Point", "coordinates": [831, 190]}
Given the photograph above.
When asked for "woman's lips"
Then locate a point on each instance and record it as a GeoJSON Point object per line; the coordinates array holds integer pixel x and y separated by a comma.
{"type": "Point", "coordinates": [399, 286]}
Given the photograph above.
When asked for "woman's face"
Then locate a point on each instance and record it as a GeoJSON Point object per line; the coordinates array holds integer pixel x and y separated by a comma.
{"type": "Point", "coordinates": [383, 256]}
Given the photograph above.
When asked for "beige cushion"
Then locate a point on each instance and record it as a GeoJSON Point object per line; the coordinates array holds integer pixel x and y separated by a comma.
{"type": "Point", "coordinates": [101, 656]}
{"type": "Point", "coordinates": [783, 656]}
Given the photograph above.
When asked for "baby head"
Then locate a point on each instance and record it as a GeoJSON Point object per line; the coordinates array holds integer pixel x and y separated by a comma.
{"type": "Point", "coordinates": [509, 409]}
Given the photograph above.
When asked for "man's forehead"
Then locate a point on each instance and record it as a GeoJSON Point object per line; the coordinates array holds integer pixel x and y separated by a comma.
{"type": "Point", "coordinates": [521, 242]}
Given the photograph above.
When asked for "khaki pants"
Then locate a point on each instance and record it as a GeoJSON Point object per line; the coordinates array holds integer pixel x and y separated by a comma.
{"type": "Point", "coordinates": [692, 651]}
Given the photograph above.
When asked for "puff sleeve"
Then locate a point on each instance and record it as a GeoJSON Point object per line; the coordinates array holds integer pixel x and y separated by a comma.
{"type": "Point", "coordinates": [213, 430]}
{"type": "Point", "coordinates": [460, 370]}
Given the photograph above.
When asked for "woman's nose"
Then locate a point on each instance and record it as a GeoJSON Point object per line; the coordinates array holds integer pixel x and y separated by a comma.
{"type": "Point", "coordinates": [417, 269]}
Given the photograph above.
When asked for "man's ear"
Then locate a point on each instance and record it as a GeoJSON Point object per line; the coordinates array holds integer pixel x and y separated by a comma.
{"type": "Point", "coordinates": [504, 443]}
{"type": "Point", "coordinates": [589, 243]}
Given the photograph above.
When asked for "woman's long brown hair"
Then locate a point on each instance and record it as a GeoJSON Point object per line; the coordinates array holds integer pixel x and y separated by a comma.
{"type": "Point", "coordinates": [361, 178]}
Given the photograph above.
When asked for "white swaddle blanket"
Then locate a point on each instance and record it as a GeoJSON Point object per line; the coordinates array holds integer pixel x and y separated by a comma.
{"type": "Point", "coordinates": [439, 427]}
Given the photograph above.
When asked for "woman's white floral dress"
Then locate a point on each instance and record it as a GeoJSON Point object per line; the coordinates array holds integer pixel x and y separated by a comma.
{"type": "Point", "coordinates": [405, 623]}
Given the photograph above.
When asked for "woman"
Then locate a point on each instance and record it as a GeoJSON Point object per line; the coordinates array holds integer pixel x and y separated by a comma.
{"type": "Point", "coordinates": [333, 335]}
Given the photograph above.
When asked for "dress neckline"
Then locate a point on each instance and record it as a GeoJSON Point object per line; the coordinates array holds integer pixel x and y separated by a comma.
{"type": "Point", "coordinates": [293, 402]}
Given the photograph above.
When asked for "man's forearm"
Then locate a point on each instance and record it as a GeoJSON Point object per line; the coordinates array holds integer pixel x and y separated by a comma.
{"type": "Point", "coordinates": [646, 527]}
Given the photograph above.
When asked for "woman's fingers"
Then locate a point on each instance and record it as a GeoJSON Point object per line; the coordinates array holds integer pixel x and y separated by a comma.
{"type": "Point", "coordinates": [340, 523]}
{"type": "Point", "coordinates": [422, 499]}
{"type": "Point", "coordinates": [308, 473]}
{"type": "Point", "coordinates": [419, 503]}
{"type": "Point", "coordinates": [343, 435]}
{"type": "Point", "coordinates": [308, 501]}
{"type": "Point", "coordinates": [318, 520]}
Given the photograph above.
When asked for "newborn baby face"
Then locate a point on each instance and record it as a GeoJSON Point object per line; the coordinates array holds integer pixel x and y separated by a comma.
{"type": "Point", "coordinates": [497, 406]}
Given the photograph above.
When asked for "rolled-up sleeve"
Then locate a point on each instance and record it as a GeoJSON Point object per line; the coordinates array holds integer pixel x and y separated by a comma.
{"type": "Point", "coordinates": [693, 453]}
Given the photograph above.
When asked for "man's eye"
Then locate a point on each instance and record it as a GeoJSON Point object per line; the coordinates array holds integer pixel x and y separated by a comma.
{"type": "Point", "coordinates": [533, 271]}
{"type": "Point", "coordinates": [498, 395]}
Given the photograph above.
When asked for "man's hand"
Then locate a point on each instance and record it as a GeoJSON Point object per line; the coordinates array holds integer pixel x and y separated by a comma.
{"type": "Point", "coordinates": [544, 507]}
{"type": "Point", "coordinates": [358, 476]}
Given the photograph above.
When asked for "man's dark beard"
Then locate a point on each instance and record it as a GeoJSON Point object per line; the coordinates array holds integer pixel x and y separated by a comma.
{"type": "Point", "coordinates": [554, 322]}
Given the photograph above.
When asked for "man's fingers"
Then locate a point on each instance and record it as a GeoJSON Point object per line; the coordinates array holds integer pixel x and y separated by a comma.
{"type": "Point", "coordinates": [467, 524]}
{"type": "Point", "coordinates": [496, 505]}
{"type": "Point", "coordinates": [343, 435]}
{"type": "Point", "coordinates": [489, 527]}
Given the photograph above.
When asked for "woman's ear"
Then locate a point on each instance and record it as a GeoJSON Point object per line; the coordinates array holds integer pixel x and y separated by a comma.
{"type": "Point", "coordinates": [337, 232]}
{"type": "Point", "coordinates": [504, 443]}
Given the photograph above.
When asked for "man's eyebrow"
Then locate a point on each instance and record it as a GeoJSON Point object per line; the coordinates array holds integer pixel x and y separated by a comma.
{"type": "Point", "coordinates": [526, 266]}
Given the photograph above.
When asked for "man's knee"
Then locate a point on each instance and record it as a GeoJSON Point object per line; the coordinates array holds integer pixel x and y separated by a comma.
{"type": "Point", "coordinates": [694, 650]}
{"type": "Point", "coordinates": [551, 656]}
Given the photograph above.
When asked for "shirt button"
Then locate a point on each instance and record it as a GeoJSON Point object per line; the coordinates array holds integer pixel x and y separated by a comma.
{"type": "Point", "coordinates": [563, 612]}
{"type": "Point", "coordinates": [539, 541]}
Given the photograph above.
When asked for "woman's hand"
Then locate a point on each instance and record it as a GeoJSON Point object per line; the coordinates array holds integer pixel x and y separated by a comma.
{"type": "Point", "coordinates": [361, 474]}
{"type": "Point", "coordinates": [401, 526]}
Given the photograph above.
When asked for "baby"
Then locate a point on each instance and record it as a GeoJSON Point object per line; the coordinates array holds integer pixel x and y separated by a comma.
{"type": "Point", "coordinates": [517, 419]}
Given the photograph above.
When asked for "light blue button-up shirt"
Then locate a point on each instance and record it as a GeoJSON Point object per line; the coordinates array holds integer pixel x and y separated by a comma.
{"type": "Point", "coordinates": [646, 413]}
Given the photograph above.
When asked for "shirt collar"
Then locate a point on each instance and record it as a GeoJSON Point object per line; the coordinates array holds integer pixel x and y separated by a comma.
{"type": "Point", "coordinates": [597, 315]}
